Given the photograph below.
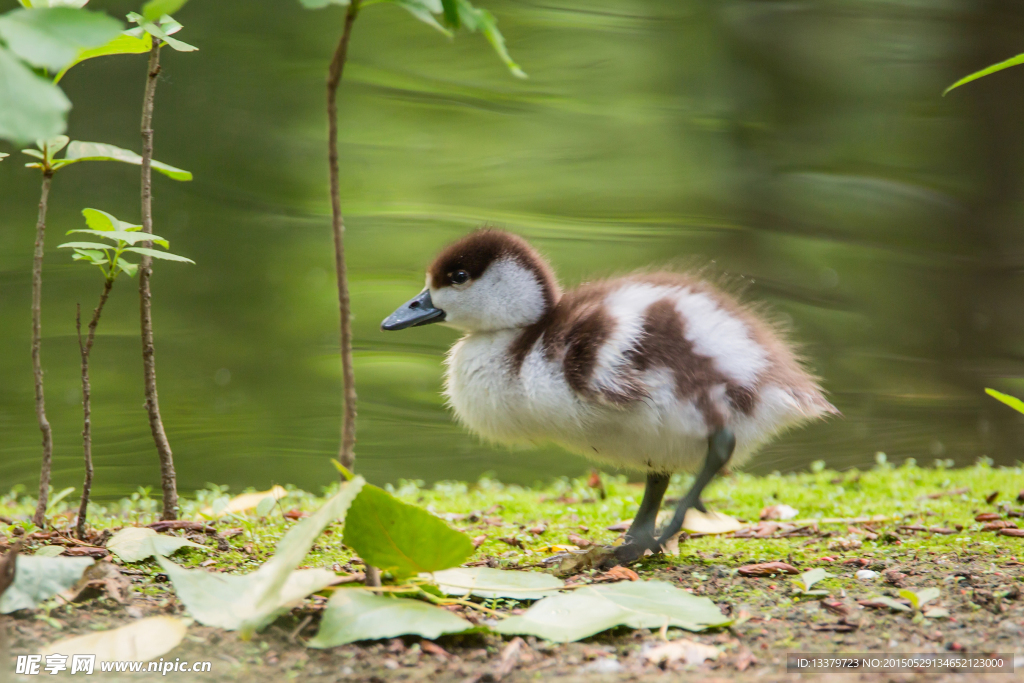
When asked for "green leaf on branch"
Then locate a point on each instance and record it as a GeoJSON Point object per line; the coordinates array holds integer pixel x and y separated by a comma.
{"type": "Point", "coordinates": [401, 538]}
{"type": "Point", "coordinates": [320, 4]}
{"type": "Point", "coordinates": [93, 256]}
{"type": "Point", "coordinates": [33, 107]}
{"type": "Point", "coordinates": [134, 544]}
{"type": "Point", "coordinates": [123, 44]}
{"type": "Point", "coordinates": [161, 30]}
{"type": "Point", "coordinates": [54, 3]}
{"type": "Point", "coordinates": [153, 253]}
{"type": "Point", "coordinates": [100, 151]}
{"type": "Point", "coordinates": [424, 10]}
{"type": "Point", "coordinates": [485, 582]}
{"type": "Point", "coordinates": [1012, 61]}
{"type": "Point", "coordinates": [84, 245]}
{"type": "Point", "coordinates": [51, 38]}
{"type": "Point", "coordinates": [477, 19]}
{"type": "Point", "coordinates": [130, 268]}
{"type": "Point", "coordinates": [450, 9]}
{"type": "Point", "coordinates": [1011, 401]}
{"type": "Point", "coordinates": [104, 222]}
{"type": "Point", "coordinates": [126, 237]}
{"type": "Point", "coordinates": [568, 617]}
{"type": "Point", "coordinates": [38, 579]}
{"type": "Point", "coordinates": [154, 9]}
{"type": "Point", "coordinates": [250, 602]}
{"type": "Point", "coordinates": [353, 614]}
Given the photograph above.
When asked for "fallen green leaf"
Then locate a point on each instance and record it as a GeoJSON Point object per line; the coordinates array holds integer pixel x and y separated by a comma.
{"type": "Point", "coordinates": [49, 551]}
{"type": "Point", "coordinates": [401, 538]}
{"type": "Point", "coordinates": [250, 602]}
{"type": "Point", "coordinates": [806, 580]}
{"type": "Point", "coordinates": [354, 614]}
{"type": "Point", "coordinates": [585, 611]}
{"type": "Point", "coordinates": [134, 544]}
{"type": "Point", "coordinates": [919, 598]}
{"type": "Point", "coordinates": [485, 582]}
{"type": "Point", "coordinates": [40, 578]}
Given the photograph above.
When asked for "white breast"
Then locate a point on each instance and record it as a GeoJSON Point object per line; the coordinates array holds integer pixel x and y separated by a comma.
{"type": "Point", "coordinates": [492, 400]}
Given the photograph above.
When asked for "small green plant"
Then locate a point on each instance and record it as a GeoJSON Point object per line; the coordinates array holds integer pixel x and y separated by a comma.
{"type": "Point", "coordinates": [110, 259]}
{"type": "Point", "coordinates": [49, 37]}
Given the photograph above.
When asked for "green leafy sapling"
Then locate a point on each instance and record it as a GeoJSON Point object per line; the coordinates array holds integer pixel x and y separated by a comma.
{"type": "Point", "coordinates": [155, 21]}
{"type": "Point", "coordinates": [111, 261]}
{"type": "Point", "coordinates": [45, 155]}
{"type": "Point", "coordinates": [40, 38]}
{"type": "Point", "coordinates": [445, 16]}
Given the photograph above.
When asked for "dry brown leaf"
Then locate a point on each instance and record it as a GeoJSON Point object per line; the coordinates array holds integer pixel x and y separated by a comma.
{"type": "Point", "coordinates": [246, 501]}
{"type": "Point", "coordinates": [139, 641]}
{"type": "Point", "coordinates": [509, 658]}
{"type": "Point", "coordinates": [767, 569]}
{"type": "Point", "coordinates": [620, 526]}
{"type": "Point", "coordinates": [1011, 532]}
{"type": "Point", "coordinates": [780, 512]}
{"type": "Point", "coordinates": [580, 541]}
{"type": "Point", "coordinates": [479, 540]}
{"type": "Point", "coordinates": [620, 573]}
{"type": "Point", "coordinates": [101, 576]}
{"type": "Point", "coordinates": [709, 522]}
{"type": "Point", "coordinates": [987, 517]}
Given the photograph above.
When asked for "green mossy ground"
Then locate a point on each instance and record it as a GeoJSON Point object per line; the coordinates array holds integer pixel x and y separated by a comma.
{"type": "Point", "coordinates": [976, 571]}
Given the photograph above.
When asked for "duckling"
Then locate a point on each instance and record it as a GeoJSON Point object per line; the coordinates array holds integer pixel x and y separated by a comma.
{"type": "Point", "coordinates": [659, 372]}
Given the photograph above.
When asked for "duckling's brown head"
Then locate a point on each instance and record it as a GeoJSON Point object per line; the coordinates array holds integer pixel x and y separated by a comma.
{"type": "Point", "coordinates": [488, 280]}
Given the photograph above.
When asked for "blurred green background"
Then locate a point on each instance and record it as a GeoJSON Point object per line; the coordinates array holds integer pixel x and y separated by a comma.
{"type": "Point", "coordinates": [801, 147]}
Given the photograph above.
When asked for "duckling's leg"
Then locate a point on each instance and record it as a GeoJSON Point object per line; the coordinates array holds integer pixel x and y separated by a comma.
{"type": "Point", "coordinates": [720, 448]}
{"type": "Point", "coordinates": [641, 531]}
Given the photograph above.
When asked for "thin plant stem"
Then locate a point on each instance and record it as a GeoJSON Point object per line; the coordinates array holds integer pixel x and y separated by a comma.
{"type": "Point", "coordinates": [346, 454]}
{"type": "Point", "coordinates": [85, 348]}
{"type": "Point", "coordinates": [39, 519]}
{"type": "Point", "coordinates": [156, 425]}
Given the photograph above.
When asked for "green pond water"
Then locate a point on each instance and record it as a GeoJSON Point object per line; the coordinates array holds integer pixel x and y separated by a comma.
{"type": "Point", "coordinates": [800, 148]}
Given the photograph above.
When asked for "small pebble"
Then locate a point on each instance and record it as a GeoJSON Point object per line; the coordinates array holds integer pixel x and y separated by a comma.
{"type": "Point", "coordinates": [865, 574]}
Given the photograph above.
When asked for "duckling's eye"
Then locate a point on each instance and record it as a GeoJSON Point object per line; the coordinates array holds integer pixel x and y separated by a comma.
{"type": "Point", "coordinates": [459, 277]}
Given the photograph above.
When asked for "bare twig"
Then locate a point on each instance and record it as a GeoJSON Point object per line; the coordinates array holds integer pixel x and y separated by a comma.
{"type": "Point", "coordinates": [85, 348]}
{"type": "Point", "coordinates": [346, 454]}
{"type": "Point", "coordinates": [39, 519]}
{"type": "Point", "coordinates": [156, 425]}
